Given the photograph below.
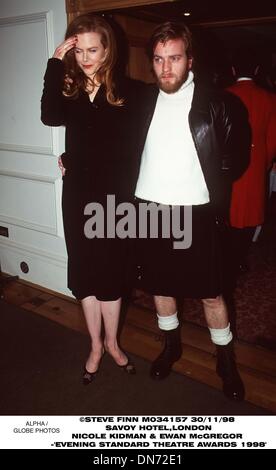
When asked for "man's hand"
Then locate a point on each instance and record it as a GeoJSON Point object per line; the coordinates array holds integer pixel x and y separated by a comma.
{"type": "Point", "coordinates": [61, 167]}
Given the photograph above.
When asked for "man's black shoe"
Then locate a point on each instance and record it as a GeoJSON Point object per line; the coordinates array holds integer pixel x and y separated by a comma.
{"type": "Point", "coordinates": [233, 386]}
{"type": "Point", "coordinates": [172, 351]}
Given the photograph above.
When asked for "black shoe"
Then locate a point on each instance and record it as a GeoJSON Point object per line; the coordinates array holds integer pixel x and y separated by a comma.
{"type": "Point", "coordinates": [88, 377]}
{"type": "Point", "coordinates": [233, 386]}
{"type": "Point", "coordinates": [129, 367]}
{"type": "Point", "coordinates": [172, 351]}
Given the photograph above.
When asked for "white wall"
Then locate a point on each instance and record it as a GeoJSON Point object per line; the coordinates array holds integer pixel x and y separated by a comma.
{"type": "Point", "coordinates": [30, 183]}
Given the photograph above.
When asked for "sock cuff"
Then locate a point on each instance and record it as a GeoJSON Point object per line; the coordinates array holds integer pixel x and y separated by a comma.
{"type": "Point", "coordinates": [169, 322]}
{"type": "Point", "coordinates": [221, 336]}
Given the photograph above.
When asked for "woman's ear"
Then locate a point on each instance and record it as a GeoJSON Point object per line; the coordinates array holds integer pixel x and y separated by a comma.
{"type": "Point", "coordinates": [105, 55]}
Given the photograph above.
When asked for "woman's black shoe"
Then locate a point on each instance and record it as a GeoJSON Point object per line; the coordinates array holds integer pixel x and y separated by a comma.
{"type": "Point", "coordinates": [129, 367]}
{"type": "Point", "coordinates": [88, 377]}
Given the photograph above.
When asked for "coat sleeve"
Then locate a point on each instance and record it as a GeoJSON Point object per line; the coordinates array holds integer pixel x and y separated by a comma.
{"type": "Point", "coordinates": [52, 101]}
{"type": "Point", "coordinates": [271, 133]}
{"type": "Point", "coordinates": [236, 137]}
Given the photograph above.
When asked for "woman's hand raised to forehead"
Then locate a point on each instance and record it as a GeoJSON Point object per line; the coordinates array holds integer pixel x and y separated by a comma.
{"type": "Point", "coordinates": [64, 47]}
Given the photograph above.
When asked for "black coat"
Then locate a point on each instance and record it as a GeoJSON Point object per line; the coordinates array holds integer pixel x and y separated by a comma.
{"type": "Point", "coordinates": [100, 159]}
{"type": "Point", "coordinates": [100, 138]}
{"type": "Point", "coordinates": [221, 133]}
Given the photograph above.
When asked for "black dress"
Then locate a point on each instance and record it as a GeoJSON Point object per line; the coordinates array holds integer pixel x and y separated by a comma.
{"type": "Point", "coordinates": [100, 160]}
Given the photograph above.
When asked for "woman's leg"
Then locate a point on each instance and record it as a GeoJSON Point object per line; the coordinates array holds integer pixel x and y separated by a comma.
{"type": "Point", "coordinates": [92, 312]}
{"type": "Point", "coordinates": [111, 314]}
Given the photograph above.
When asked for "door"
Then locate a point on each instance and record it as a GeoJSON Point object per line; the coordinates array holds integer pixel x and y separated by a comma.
{"type": "Point", "coordinates": [31, 236]}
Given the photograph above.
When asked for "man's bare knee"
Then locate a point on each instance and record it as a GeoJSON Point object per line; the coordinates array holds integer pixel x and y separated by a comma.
{"type": "Point", "coordinates": [165, 305]}
{"type": "Point", "coordinates": [215, 311]}
{"type": "Point", "coordinates": [213, 302]}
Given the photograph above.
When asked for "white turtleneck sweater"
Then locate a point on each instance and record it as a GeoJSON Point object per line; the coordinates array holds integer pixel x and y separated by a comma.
{"type": "Point", "coordinates": [170, 171]}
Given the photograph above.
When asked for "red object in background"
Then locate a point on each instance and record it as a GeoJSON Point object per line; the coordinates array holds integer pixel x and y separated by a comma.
{"type": "Point", "coordinates": [249, 191]}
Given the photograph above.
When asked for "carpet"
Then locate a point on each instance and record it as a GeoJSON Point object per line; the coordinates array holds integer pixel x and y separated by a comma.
{"type": "Point", "coordinates": [41, 367]}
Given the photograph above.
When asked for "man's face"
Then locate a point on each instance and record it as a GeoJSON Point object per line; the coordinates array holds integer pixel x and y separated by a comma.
{"type": "Point", "coordinates": [171, 64]}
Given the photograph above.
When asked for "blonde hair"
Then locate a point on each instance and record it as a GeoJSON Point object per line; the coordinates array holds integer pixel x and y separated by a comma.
{"type": "Point", "coordinates": [75, 78]}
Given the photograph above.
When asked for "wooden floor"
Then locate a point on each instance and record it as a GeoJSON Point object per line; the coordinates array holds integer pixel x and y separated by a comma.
{"type": "Point", "coordinates": [141, 336]}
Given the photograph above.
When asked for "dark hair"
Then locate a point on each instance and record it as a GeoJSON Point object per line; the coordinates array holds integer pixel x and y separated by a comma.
{"type": "Point", "coordinates": [167, 31]}
{"type": "Point", "coordinates": [75, 77]}
{"type": "Point", "coordinates": [245, 61]}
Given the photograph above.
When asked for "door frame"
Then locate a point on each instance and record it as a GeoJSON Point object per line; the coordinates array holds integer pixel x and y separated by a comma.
{"type": "Point", "coordinates": [78, 7]}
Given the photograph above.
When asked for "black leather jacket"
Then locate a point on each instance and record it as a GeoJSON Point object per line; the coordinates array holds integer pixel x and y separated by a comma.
{"type": "Point", "coordinates": [222, 137]}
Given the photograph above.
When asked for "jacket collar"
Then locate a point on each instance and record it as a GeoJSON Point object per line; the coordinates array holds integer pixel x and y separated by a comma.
{"type": "Point", "coordinates": [201, 100]}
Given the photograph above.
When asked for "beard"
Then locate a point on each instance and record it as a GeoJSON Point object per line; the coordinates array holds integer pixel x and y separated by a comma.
{"type": "Point", "coordinates": [172, 84]}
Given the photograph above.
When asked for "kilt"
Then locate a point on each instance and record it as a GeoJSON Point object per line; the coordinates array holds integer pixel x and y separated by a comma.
{"type": "Point", "coordinates": [194, 272]}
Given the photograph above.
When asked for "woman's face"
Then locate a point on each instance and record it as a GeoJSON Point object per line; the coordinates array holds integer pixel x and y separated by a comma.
{"type": "Point", "coordinates": [89, 52]}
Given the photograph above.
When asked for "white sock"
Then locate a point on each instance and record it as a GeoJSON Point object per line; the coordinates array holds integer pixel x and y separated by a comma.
{"type": "Point", "coordinates": [168, 323]}
{"type": "Point", "coordinates": [221, 336]}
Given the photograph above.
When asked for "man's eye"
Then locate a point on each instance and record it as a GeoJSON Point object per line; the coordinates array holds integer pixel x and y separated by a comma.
{"type": "Point", "coordinates": [158, 60]}
{"type": "Point", "coordinates": [93, 50]}
{"type": "Point", "coordinates": [77, 51]}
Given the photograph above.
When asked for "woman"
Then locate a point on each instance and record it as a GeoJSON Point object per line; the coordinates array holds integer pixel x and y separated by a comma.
{"type": "Point", "coordinates": [80, 93]}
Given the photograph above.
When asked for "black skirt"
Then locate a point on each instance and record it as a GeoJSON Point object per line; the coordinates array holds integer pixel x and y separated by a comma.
{"type": "Point", "coordinates": [96, 266]}
{"type": "Point", "coordinates": [194, 272]}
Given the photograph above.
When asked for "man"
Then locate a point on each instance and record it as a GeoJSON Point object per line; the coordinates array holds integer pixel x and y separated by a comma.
{"type": "Point", "coordinates": [194, 143]}
{"type": "Point", "coordinates": [249, 191]}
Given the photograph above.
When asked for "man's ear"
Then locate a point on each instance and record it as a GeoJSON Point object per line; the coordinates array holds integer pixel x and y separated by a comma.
{"type": "Point", "coordinates": [190, 63]}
